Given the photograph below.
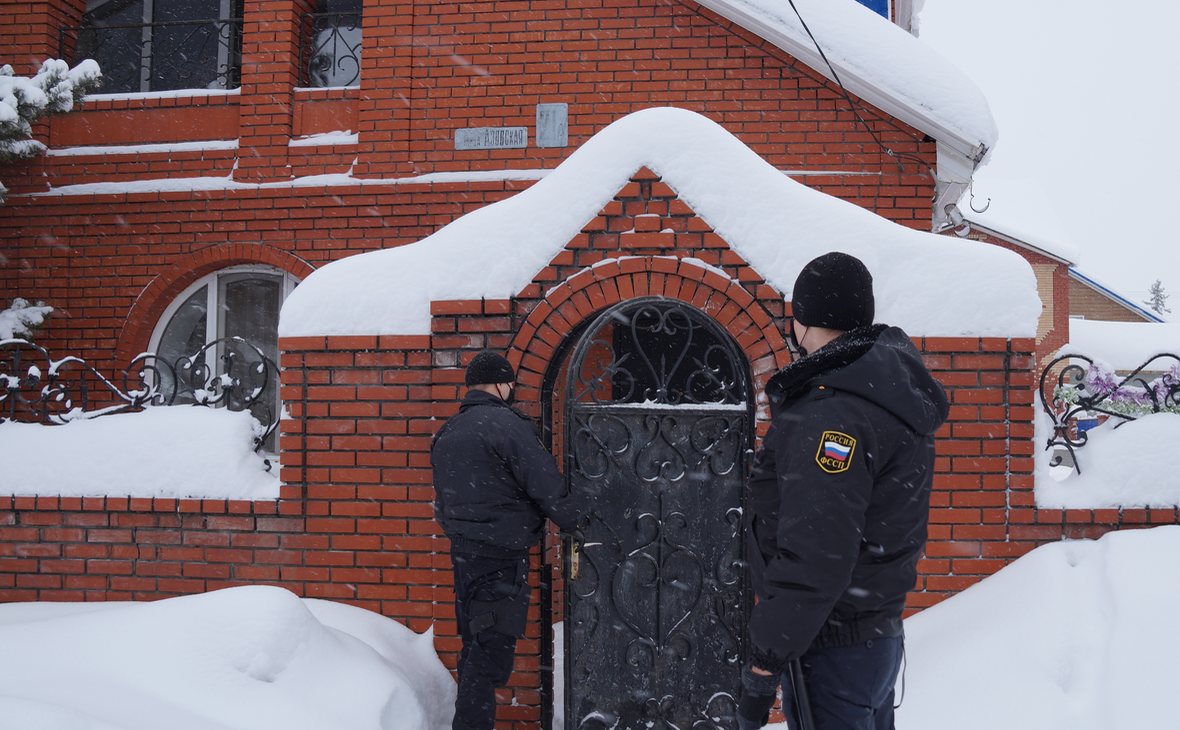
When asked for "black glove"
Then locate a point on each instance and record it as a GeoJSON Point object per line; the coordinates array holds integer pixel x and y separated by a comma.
{"type": "Point", "coordinates": [575, 535]}
{"type": "Point", "coordinates": [767, 661]}
{"type": "Point", "coordinates": [758, 696]}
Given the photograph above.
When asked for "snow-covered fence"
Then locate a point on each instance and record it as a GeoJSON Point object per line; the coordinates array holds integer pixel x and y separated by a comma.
{"type": "Point", "coordinates": [36, 388]}
{"type": "Point", "coordinates": [1077, 392]}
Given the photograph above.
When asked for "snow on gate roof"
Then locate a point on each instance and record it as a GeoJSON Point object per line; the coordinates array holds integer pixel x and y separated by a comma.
{"type": "Point", "coordinates": [929, 285]}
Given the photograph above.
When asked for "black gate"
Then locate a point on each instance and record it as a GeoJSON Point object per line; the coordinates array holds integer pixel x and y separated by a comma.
{"type": "Point", "coordinates": [657, 431]}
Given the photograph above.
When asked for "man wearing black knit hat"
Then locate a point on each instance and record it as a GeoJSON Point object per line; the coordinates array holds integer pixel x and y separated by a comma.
{"type": "Point", "coordinates": [494, 486]}
{"type": "Point", "coordinates": [839, 501]}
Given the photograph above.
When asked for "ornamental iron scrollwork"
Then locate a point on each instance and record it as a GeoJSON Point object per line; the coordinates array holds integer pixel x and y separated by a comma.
{"type": "Point", "coordinates": [140, 57]}
{"type": "Point", "coordinates": [657, 352]}
{"type": "Point", "coordinates": [1085, 391]}
{"type": "Point", "coordinates": [35, 388]}
{"type": "Point", "coordinates": [658, 427]}
{"type": "Point", "coordinates": [331, 49]}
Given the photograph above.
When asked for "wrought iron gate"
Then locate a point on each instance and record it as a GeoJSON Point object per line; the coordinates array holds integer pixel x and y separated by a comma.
{"type": "Point", "coordinates": [657, 431]}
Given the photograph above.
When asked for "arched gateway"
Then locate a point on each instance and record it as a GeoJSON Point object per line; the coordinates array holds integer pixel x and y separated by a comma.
{"type": "Point", "coordinates": [657, 433]}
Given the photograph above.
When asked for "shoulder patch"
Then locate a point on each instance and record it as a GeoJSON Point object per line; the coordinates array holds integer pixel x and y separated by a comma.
{"type": "Point", "coordinates": [835, 451]}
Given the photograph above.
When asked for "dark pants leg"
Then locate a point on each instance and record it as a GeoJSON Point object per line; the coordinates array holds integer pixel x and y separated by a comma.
{"type": "Point", "coordinates": [485, 662]}
{"type": "Point", "coordinates": [850, 687]}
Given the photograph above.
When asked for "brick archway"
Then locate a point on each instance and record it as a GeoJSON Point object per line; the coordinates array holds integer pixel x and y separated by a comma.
{"type": "Point", "coordinates": [595, 288]}
{"type": "Point", "coordinates": [157, 295]}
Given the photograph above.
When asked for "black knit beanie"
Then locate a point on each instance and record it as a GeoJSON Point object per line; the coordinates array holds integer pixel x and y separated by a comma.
{"type": "Point", "coordinates": [834, 291]}
{"type": "Point", "coordinates": [489, 367]}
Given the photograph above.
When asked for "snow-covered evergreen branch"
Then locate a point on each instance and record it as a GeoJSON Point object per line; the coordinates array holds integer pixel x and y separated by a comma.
{"type": "Point", "coordinates": [54, 90]}
{"type": "Point", "coordinates": [21, 318]}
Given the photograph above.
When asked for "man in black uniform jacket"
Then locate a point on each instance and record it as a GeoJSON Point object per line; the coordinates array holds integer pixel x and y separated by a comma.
{"type": "Point", "coordinates": [839, 501]}
{"type": "Point", "coordinates": [494, 486]}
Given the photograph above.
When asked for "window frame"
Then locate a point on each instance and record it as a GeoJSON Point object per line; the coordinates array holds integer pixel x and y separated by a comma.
{"type": "Point", "coordinates": [225, 53]}
{"type": "Point", "coordinates": [213, 318]}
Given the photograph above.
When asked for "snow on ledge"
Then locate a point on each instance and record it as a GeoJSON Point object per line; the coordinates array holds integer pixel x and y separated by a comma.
{"type": "Point", "coordinates": [326, 139]}
{"type": "Point", "coordinates": [1131, 466]}
{"type": "Point", "coordinates": [1128, 465]}
{"type": "Point", "coordinates": [169, 452]}
{"type": "Point", "coordinates": [929, 285]}
{"type": "Point", "coordinates": [171, 94]}
{"type": "Point", "coordinates": [144, 149]}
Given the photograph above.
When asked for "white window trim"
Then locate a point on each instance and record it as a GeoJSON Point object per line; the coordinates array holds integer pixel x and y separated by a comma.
{"type": "Point", "coordinates": [211, 279]}
{"type": "Point", "coordinates": [212, 331]}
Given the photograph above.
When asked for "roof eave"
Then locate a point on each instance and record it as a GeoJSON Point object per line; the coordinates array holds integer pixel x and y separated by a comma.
{"type": "Point", "coordinates": [1114, 296]}
{"type": "Point", "coordinates": [1017, 241]}
{"type": "Point", "coordinates": [883, 99]}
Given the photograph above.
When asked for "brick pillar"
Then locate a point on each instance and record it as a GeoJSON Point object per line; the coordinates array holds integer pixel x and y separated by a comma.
{"type": "Point", "coordinates": [386, 88]}
{"type": "Point", "coordinates": [29, 31]}
{"type": "Point", "coordinates": [355, 455]}
{"type": "Point", "coordinates": [270, 73]}
{"type": "Point", "coordinates": [983, 479]}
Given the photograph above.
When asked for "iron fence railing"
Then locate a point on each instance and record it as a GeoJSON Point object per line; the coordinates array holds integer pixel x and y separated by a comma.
{"type": "Point", "coordinates": [1079, 392]}
{"type": "Point", "coordinates": [331, 49]}
{"type": "Point", "coordinates": [191, 54]}
{"type": "Point", "coordinates": [231, 372]}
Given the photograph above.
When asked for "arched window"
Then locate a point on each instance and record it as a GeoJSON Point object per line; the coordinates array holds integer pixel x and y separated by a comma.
{"type": "Point", "coordinates": [240, 301]}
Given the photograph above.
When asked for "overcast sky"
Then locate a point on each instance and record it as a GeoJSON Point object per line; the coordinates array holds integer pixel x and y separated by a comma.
{"type": "Point", "coordinates": [1084, 93]}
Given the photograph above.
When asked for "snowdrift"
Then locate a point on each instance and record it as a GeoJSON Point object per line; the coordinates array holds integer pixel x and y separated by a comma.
{"type": "Point", "coordinates": [237, 659]}
{"type": "Point", "coordinates": [1076, 635]}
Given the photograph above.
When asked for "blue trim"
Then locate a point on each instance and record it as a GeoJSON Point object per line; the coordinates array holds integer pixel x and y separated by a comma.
{"type": "Point", "coordinates": [1118, 298]}
{"type": "Point", "coordinates": [880, 7]}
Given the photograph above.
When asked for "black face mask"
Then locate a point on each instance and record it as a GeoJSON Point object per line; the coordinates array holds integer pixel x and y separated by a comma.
{"type": "Point", "coordinates": [511, 396]}
{"type": "Point", "coordinates": [794, 342]}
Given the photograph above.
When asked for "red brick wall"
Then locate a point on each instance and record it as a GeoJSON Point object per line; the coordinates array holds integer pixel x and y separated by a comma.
{"type": "Point", "coordinates": [110, 264]}
{"type": "Point", "coordinates": [355, 521]}
{"type": "Point", "coordinates": [430, 68]}
{"type": "Point", "coordinates": [29, 31]}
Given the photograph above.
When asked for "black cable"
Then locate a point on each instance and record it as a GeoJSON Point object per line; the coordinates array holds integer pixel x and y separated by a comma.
{"type": "Point", "coordinates": [852, 105]}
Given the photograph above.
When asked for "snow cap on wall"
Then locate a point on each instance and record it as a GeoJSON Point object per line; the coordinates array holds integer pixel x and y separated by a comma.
{"type": "Point", "coordinates": [929, 285]}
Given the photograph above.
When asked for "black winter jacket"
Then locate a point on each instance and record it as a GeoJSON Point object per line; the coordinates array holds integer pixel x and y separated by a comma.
{"type": "Point", "coordinates": [840, 494]}
{"type": "Point", "coordinates": [494, 482]}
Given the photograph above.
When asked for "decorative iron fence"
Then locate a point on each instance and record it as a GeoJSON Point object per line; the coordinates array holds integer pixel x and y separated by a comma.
{"type": "Point", "coordinates": [1086, 392]}
{"type": "Point", "coordinates": [191, 54]}
{"type": "Point", "coordinates": [331, 49]}
{"type": "Point", "coordinates": [35, 388]}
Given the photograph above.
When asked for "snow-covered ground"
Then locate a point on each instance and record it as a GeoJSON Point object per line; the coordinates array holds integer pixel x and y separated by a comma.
{"type": "Point", "coordinates": [1076, 635]}
{"type": "Point", "coordinates": [248, 658]}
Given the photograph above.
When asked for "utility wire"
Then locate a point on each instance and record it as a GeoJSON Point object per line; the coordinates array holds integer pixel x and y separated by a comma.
{"type": "Point", "coordinates": [852, 105]}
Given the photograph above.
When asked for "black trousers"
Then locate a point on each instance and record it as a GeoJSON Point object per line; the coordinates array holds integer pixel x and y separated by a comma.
{"type": "Point", "coordinates": [491, 605]}
{"type": "Point", "coordinates": [849, 688]}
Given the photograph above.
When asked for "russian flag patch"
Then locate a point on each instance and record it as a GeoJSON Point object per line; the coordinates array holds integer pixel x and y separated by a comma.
{"type": "Point", "coordinates": [835, 451]}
